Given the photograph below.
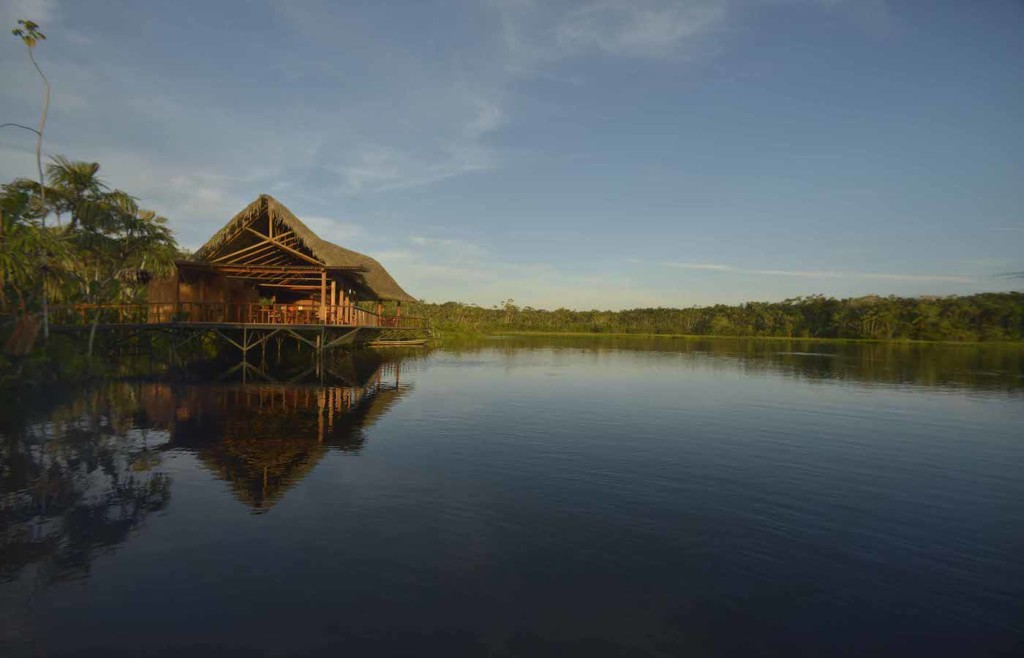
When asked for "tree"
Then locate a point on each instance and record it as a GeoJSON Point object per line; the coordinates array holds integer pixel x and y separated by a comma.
{"type": "Point", "coordinates": [29, 33]}
{"type": "Point", "coordinates": [105, 254]}
{"type": "Point", "coordinates": [74, 186]}
{"type": "Point", "coordinates": [22, 239]}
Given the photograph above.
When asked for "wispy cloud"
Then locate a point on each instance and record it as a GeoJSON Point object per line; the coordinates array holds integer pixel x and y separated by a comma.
{"type": "Point", "coordinates": [334, 230]}
{"type": "Point", "coordinates": [459, 250]}
{"type": "Point", "coordinates": [380, 168]}
{"type": "Point", "coordinates": [822, 274]}
{"type": "Point", "coordinates": [638, 28]}
{"type": "Point", "coordinates": [540, 33]}
{"type": "Point", "coordinates": [455, 269]}
{"type": "Point", "coordinates": [701, 266]}
{"type": "Point", "coordinates": [40, 11]}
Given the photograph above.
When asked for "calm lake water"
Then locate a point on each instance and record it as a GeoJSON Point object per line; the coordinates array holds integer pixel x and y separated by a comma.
{"type": "Point", "coordinates": [529, 497]}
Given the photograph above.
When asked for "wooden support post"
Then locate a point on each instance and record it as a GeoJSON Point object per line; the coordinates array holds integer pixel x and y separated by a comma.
{"type": "Point", "coordinates": [380, 314]}
{"type": "Point", "coordinates": [323, 295]}
{"type": "Point", "coordinates": [334, 303]}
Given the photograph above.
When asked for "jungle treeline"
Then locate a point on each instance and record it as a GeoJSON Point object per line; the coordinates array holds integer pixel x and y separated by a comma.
{"type": "Point", "coordinates": [981, 317]}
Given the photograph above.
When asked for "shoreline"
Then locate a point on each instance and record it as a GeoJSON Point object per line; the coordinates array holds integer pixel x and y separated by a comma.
{"type": "Point", "coordinates": [583, 334]}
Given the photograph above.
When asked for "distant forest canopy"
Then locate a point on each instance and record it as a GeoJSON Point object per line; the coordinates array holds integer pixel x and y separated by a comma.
{"type": "Point", "coordinates": [981, 317]}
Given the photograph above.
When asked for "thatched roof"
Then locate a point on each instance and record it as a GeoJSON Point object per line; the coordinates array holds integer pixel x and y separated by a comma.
{"type": "Point", "coordinates": [373, 276]}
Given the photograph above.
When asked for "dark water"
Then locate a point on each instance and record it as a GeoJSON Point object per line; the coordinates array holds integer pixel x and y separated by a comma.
{"type": "Point", "coordinates": [530, 498]}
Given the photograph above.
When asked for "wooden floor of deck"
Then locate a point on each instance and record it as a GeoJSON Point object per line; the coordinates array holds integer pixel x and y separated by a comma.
{"type": "Point", "coordinates": [230, 325]}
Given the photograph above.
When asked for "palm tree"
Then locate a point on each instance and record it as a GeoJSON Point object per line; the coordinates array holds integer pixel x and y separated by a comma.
{"type": "Point", "coordinates": [74, 188]}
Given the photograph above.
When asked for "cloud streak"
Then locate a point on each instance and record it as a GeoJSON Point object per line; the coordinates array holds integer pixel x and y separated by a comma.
{"type": "Point", "coordinates": [443, 269]}
{"type": "Point", "coordinates": [821, 274]}
{"type": "Point", "coordinates": [636, 28]}
{"type": "Point", "coordinates": [40, 11]}
{"type": "Point", "coordinates": [539, 34]}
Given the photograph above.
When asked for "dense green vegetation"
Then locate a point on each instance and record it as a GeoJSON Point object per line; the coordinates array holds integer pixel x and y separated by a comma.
{"type": "Point", "coordinates": [104, 252]}
{"type": "Point", "coordinates": [72, 241]}
{"type": "Point", "coordinates": [982, 317]}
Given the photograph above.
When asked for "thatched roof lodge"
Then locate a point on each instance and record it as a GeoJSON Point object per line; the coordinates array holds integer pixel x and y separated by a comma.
{"type": "Point", "coordinates": [266, 266]}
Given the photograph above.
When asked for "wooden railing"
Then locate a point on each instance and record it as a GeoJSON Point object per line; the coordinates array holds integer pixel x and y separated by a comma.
{"type": "Point", "coordinates": [347, 315]}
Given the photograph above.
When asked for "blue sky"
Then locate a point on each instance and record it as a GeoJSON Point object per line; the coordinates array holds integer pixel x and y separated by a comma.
{"type": "Point", "coordinates": [599, 154]}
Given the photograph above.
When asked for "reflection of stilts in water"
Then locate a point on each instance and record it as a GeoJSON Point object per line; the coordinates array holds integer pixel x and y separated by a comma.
{"type": "Point", "coordinates": [335, 401]}
{"type": "Point", "coordinates": [246, 370]}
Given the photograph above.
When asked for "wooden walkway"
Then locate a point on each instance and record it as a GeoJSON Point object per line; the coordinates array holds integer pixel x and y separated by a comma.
{"type": "Point", "coordinates": [245, 327]}
{"type": "Point", "coordinates": [226, 315]}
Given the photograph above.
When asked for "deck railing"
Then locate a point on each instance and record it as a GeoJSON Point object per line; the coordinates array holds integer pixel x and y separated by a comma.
{"type": "Point", "coordinates": [346, 315]}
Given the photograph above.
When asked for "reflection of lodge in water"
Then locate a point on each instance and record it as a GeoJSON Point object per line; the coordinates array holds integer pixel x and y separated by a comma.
{"type": "Point", "coordinates": [263, 439]}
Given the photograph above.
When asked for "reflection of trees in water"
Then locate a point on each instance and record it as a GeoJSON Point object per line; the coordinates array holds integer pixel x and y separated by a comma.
{"type": "Point", "coordinates": [76, 484]}
{"type": "Point", "coordinates": [975, 366]}
{"type": "Point", "coordinates": [78, 479]}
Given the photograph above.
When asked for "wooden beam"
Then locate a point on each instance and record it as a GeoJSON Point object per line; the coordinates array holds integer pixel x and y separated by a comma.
{"type": "Point", "coordinates": [285, 285]}
{"type": "Point", "coordinates": [243, 267]}
{"type": "Point", "coordinates": [275, 257]}
{"type": "Point", "coordinates": [323, 295]}
{"type": "Point", "coordinates": [239, 252]}
{"type": "Point", "coordinates": [278, 282]}
{"type": "Point", "coordinates": [287, 238]}
{"type": "Point", "coordinates": [301, 255]}
{"type": "Point", "coordinates": [270, 275]}
{"type": "Point", "coordinates": [255, 251]}
{"type": "Point", "coordinates": [341, 340]}
{"type": "Point", "coordinates": [270, 252]}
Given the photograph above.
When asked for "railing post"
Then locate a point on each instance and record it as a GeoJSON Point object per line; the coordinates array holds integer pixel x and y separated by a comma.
{"type": "Point", "coordinates": [323, 296]}
{"type": "Point", "coordinates": [334, 302]}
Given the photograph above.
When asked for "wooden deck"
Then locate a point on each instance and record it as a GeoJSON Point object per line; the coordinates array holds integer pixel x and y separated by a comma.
{"type": "Point", "coordinates": [231, 316]}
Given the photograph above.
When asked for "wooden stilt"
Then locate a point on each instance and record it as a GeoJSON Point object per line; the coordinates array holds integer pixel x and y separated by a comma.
{"type": "Point", "coordinates": [323, 295]}
{"type": "Point", "coordinates": [334, 303]}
